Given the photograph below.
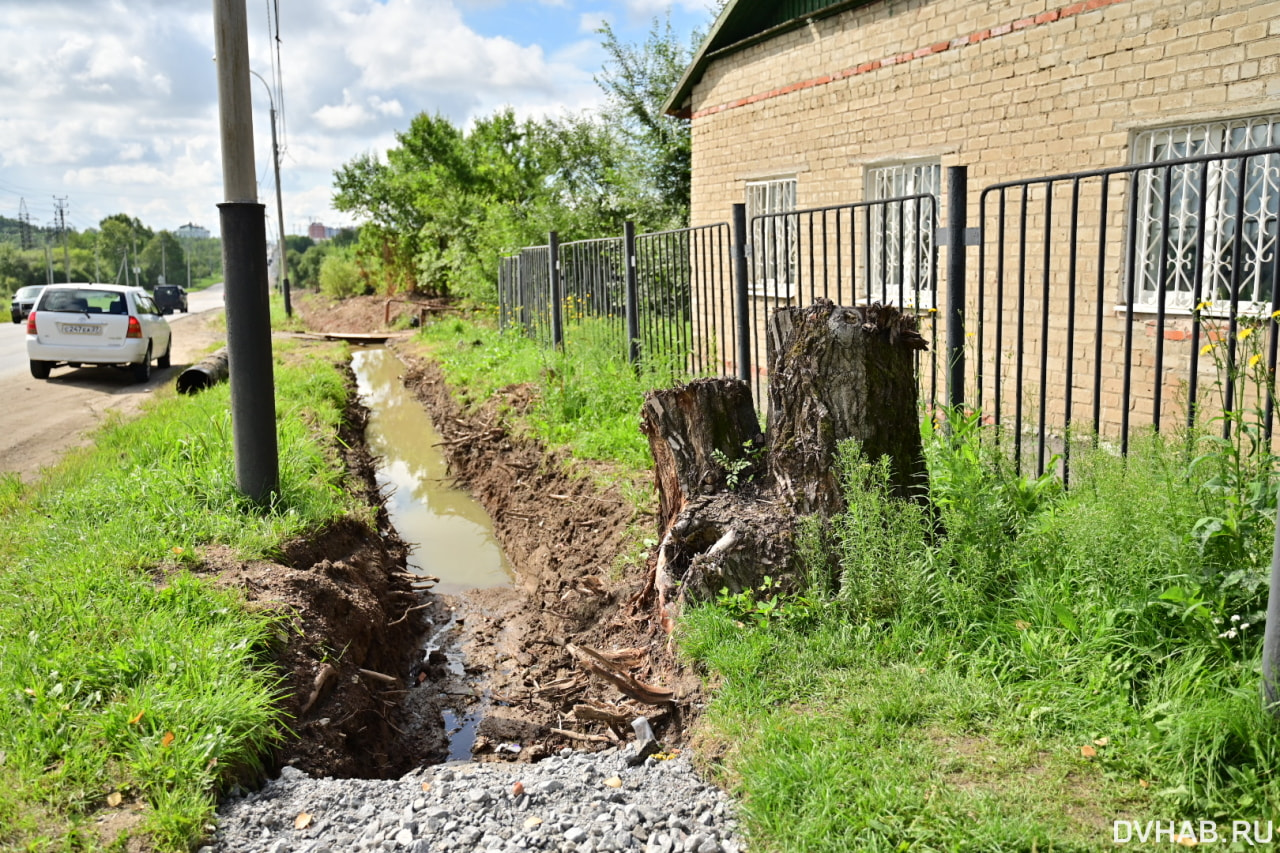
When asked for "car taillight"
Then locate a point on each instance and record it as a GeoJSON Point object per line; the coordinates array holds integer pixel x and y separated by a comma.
{"type": "Point", "coordinates": [135, 328]}
{"type": "Point", "coordinates": [31, 323]}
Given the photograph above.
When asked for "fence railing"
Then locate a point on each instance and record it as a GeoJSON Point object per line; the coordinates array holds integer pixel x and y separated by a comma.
{"type": "Point", "coordinates": [1126, 297]}
{"type": "Point", "coordinates": [701, 296]}
{"type": "Point", "coordinates": [1140, 295]}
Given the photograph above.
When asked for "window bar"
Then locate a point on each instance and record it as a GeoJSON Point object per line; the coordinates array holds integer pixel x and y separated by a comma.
{"type": "Point", "coordinates": [1099, 300]}
{"type": "Point", "coordinates": [1046, 258]}
{"type": "Point", "coordinates": [1237, 259]}
{"type": "Point", "coordinates": [1131, 252]}
{"type": "Point", "coordinates": [1022, 328]}
{"type": "Point", "coordinates": [1162, 295]}
{"type": "Point", "coordinates": [1198, 295]}
{"type": "Point", "coordinates": [1073, 250]}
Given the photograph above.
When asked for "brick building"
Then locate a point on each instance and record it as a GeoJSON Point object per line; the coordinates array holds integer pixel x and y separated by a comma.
{"type": "Point", "coordinates": [803, 103]}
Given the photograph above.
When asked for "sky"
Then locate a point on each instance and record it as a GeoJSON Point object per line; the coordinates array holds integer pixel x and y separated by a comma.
{"type": "Point", "coordinates": [111, 107]}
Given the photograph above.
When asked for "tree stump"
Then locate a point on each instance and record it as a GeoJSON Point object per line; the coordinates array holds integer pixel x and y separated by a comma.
{"type": "Point", "coordinates": [729, 498]}
{"type": "Point", "coordinates": [837, 373]}
{"type": "Point", "coordinates": [688, 427]}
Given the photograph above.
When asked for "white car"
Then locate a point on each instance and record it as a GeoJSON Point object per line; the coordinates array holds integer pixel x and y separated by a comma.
{"type": "Point", "coordinates": [97, 324]}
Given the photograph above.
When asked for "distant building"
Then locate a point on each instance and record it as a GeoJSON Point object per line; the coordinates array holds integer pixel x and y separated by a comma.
{"type": "Point", "coordinates": [192, 231]}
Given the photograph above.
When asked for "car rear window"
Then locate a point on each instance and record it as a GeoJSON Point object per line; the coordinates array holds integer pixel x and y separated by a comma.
{"type": "Point", "coordinates": [28, 292]}
{"type": "Point", "coordinates": [84, 302]}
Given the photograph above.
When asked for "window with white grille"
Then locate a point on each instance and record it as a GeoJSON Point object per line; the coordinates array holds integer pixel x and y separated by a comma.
{"type": "Point", "coordinates": [1211, 224]}
{"type": "Point", "coordinates": [774, 238]}
{"type": "Point", "coordinates": [901, 262]}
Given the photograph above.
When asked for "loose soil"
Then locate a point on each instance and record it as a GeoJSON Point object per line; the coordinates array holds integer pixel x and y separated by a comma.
{"type": "Point", "coordinates": [367, 695]}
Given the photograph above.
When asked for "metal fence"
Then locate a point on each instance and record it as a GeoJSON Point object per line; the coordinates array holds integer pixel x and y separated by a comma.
{"type": "Point", "coordinates": [701, 296]}
{"type": "Point", "coordinates": [1102, 301]}
{"type": "Point", "coordinates": [1137, 296]}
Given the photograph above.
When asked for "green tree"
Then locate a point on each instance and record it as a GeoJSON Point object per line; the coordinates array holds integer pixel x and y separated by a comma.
{"type": "Point", "coordinates": [637, 79]}
{"type": "Point", "coordinates": [122, 237]}
{"type": "Point", "coordinates": [163, 258]}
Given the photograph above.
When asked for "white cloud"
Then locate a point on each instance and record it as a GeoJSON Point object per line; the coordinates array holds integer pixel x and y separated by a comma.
{"type": "Point", "coordinates": [114, 103]}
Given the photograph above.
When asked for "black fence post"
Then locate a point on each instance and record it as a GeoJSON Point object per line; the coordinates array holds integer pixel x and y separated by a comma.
{"type": "Point", "coordinates": [633, 293]}
{"type": "Point", "coordinates": [557, 306]}
{"type": "Point", "coordinates": [957, 215]}
{"type": "Point", "coordinates": [740, 308]}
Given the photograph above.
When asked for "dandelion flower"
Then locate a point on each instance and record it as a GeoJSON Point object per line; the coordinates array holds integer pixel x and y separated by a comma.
{"type": "Point", "coordinates": [1254, 359]}
{"type": "Point", "coordinates": [1206, 303]}
{"type": "Point", "coordinates": [1207, 348]}
{"type": "Point", "coordinates": [1245, 333]}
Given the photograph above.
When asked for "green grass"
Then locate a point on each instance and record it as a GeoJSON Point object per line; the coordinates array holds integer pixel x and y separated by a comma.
{"type": "Point", "coordinates": [120, 671]}
{"type": "Point", "coordinates": [587, 400]}
{"type": "Point", "coordinates": [938, 692]}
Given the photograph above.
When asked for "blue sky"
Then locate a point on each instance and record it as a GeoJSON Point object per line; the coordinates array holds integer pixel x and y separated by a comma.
{"type": "Point", "coordinates": [112, 105]}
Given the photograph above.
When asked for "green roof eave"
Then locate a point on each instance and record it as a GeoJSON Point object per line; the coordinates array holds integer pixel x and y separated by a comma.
{"type": "Point", "coordinates": [739, 26]}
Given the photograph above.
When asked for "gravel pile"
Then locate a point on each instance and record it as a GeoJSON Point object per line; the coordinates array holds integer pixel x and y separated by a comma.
{"type": "Point", "coordinates": [575, 802]}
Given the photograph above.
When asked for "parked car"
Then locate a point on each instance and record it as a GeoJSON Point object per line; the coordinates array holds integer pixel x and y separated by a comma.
{"type": "Point", "coordinates": [170, 298]}
{"type": "Point", "coordinates": [23, 300]}
{"type": "Point", "coordinates": [97, 324]}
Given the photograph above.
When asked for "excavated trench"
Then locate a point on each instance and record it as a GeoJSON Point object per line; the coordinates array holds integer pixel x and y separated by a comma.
{"type": "Point", "coordinates": [388, 668]}
{"type": "Point", "coordinates": [451, 543]}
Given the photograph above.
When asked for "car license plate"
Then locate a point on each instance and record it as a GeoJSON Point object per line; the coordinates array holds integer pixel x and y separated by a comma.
{"type": "Point", "coordinates": [75, 329]}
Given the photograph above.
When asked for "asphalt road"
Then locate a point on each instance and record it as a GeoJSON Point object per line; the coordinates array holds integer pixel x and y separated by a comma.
{"type": "Point", "coordinates": [42, 419]}
{"type": "Point", "coordinates": [13, 340]}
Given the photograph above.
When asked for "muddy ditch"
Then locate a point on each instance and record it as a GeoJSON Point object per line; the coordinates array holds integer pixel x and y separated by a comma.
{"type": "Point", "coordinates": [367, 696]}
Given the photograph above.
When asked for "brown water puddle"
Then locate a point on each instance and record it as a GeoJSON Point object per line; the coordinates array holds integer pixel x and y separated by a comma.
{"type": "Point", "coordinates": [448, 531]}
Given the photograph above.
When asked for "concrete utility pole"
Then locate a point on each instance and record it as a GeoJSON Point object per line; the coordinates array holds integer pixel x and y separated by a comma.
{"type": "Point", "coordinates": [244, 260]}
{"type": "Point", "coordinates": [275, 160]}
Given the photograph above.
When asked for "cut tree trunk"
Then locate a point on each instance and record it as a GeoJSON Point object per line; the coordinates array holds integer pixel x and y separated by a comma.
{"type": "Point", "coordinates": [688, 427]}
{"type": "Point", "coordinates": [838, 373]}
{"type": "Point", "coordinates": [728, 504]}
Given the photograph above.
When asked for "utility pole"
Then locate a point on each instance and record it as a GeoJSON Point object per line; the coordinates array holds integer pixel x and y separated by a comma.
{"type": "Point", "coordinates": [24, 224]}
{"type": "Point", "coordinates": [275, 160]}
{"type": "Point", "coordinates": [61, 207]}
{"type": "Point", "coordinates": [244, 260]}
{"type": "Point", "coordinates": [137, 267]}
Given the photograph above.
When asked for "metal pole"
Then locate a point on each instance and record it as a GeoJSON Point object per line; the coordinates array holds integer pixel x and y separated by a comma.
{"type": "Point", "coordinates": [283, 275]}
{"type": "Point", "coordinates": [557, 318]}
{"type": "Point", "coordinates": [244, 258]}
{"type": "Point", "coordinates": [957, 216]}
{"type": "Point", "coordinates": [633, 292]}
{"type": "Point", "coordinates": [740, 307]}
{"type": "Point", "coordinates": [1271, 634]}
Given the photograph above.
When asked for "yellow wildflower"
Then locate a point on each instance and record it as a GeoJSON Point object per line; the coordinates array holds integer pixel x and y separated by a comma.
{"type": "Point", "coordinates": [1207, 348]}
{"type": "Point", "coordinates": [1205, 304]}
{"type": "Point", "coordinates": [1245, 333]}
{"type": "Point", "coordinates": [1253, 361]}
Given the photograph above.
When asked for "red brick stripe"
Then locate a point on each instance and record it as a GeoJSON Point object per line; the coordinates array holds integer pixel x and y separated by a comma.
{"type": "Point", "coordinates": [919, 53]}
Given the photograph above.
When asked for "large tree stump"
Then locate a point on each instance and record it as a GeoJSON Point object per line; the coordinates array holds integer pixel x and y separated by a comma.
{"type": "Point", "coordinates": [837, 373]}
{"type": "Point", "coordinates": [688, 426]}
{"type": "Point", "coordinates": [727, 503]}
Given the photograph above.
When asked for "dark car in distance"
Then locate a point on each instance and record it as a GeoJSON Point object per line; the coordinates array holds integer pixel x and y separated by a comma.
{"type": "Point", "coordinates": [26, 297]}
{"type": "Point", "coordinates": [170, 298]}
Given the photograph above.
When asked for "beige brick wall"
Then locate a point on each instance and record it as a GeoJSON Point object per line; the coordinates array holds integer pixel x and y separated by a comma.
{"type": "Point", "coordinates": [1012, 89]}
